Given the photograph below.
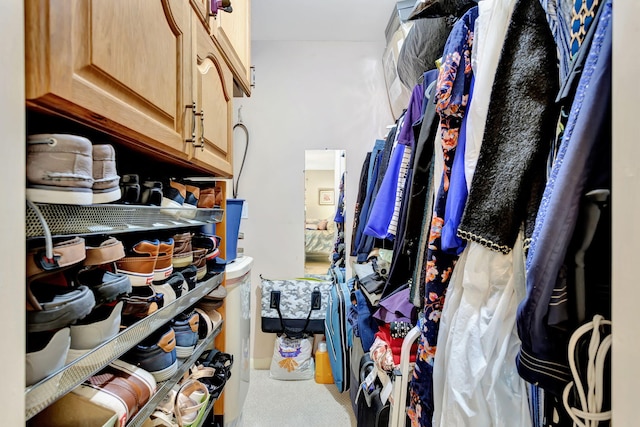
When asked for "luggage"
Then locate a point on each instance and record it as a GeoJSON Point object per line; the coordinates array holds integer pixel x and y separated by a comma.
{"type": "Point", "coordinates": [296, 307]}
{"type": "Point", "coordinates": [338, 330]}
{"type": "Point", "coordinates": [371, 411]}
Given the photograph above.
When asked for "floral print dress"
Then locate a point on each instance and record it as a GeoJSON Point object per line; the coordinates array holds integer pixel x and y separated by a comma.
{"type": "Point", "coordinates": [452, 94]}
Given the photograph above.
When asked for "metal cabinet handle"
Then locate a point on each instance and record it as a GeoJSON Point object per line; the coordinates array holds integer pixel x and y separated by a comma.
{"type": "Point", "coordinates": [193, 122]}
{"type": "Point", "coordinates": [201, 144]}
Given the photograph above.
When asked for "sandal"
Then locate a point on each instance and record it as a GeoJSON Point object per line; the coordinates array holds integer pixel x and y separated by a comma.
{"type": "Point", "coordinates": [221, 363]}
{"type": "Point", "coordinates": [163, 415]}
{"type": "Point", "coordinates": [189, 403]}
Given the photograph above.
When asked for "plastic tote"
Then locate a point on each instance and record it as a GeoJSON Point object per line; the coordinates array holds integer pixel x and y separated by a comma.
{"type": "Point", "coordinates": [234, 214]}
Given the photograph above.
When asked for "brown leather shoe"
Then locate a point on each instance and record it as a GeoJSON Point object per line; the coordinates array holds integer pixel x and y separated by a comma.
{"type": "Point", "coordinates": [210, 197]}
{"type": "Point", "coordinates": [200, 261]}
{"type": "Point", "coordinates": [164, 266]}
{"type": "Point", "coordinates": [140, 262]}
{"type": "Point", "coordinates": [182, 250]}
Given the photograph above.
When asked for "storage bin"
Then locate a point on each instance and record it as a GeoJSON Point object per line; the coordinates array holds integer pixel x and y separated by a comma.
{"type": "Point", "coordinates": [234, 214]}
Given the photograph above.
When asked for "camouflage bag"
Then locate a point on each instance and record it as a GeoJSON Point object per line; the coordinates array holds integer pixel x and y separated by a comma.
{"type": "Point", "coordinates": [295, 307]}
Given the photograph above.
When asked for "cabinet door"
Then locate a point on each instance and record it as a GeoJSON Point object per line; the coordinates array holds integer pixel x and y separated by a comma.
{"type": "Point", "coordinates": [122, 66]}
{"type": "Point", "coordinates": [213, 84]}
{"type": "Point", "coordinates": [232, 33]}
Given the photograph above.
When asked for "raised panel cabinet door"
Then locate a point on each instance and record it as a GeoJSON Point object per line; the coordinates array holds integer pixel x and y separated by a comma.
{"type": "Point", "coordinates": [202, 10]}
{"type": "Point", "coordinates": [232, 33]}
{"type": "Point", "coordinates": [123, 66]}
{"type": "Point", "coordinates": [214, 92]}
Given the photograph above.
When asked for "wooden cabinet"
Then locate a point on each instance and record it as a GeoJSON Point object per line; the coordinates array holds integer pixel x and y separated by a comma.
{"type": "Point", "coordinates": [134, 69]}
{"type": "Point", "coordinates": [213, 90]}
{"type": "Point", "coordinates": [231, 32]}
{"type": "Point", "coordinates": [121, 66]}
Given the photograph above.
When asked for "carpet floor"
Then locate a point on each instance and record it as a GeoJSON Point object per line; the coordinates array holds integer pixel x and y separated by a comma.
{"type": "Point", "coordinates": [275, 403]}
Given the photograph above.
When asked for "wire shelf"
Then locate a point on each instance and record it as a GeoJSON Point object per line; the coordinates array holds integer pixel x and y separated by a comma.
{"type": "Point", "coordinates": [73, 220]}
{"type": "Point", "coordinates": [164, 387]}
{"type": "Point", "coordinates": [48, 390]}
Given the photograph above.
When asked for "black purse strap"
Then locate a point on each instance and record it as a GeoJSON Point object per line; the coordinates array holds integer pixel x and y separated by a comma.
{"type": "Point", "coordinates": [290, 331]}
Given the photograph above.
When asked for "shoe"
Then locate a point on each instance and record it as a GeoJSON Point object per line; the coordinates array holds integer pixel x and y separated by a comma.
{"type": "Point", "coordinates": [156, 354]}
{"type": "Point", "coordinates": [172, 287]}
{"type": "Point", "coordinates": [141, 302]}
{"type": "Point", "coordinates": [130, 189]}
{"type": "Point", "coordinates": [190, 404]}
{"type": "Point", "coordinates": [210, 244]}
{"type": "Point", "coordinates": [190, 201]}
{"type": "Point", "coordinates": [185, 326]}
{"type": "Point", "coordinates": [46, 354]}
{"type": "Point", "coordinates": [121, 387]}
{"type": "Point", "coordinates": [106, 181]}
{"type": "Point", "coordinates": [190, 274]}
{"type": "Point", "coordinates": [222, 363]}
{"type": "Point", "coordinates": [53, 304]}
{"type": "Point", "coordinates": [182, 251]}
{"type": "Point", "coordinates": [74, 410]}
{"type": "Point", "coordinates": [59, 169]}
{"type": "Point", "coordinates": [164, 263]}
{"type": "Point", "coordinates": [151, 193]}
{"type": "Point", "coordinates": [207, 198]}
{"type": "Point", "coordinates": [105, 285]}
{"type": "Point", "coordinates": [200, 261]}
{"type": "Point", "coordinates": [140, 262]}
{"type": "Point", "coordinates": [209, 321]}
{"type": "Point", "coordinates": [173, 195]}
{"type": "Point", "coordinates": [104, 251]}
{"type": "Point", "coordinates": [65, 254]}
{"type": "Point", "coordinates": [210, 197]}
{"type": "Point", "coordinates": [217, 294]}
{"type": "Point", "coordinates": [99, 271]}
{"type": "Point", "coordinates": [102, 324]}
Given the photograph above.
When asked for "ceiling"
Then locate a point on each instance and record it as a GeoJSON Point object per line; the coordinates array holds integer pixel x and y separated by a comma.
{"type": "Point", "coordinates": [321, 20]}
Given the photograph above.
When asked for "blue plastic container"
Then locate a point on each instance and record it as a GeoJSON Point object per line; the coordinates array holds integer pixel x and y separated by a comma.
{"type": "Point", "coordinates": [234, 214]}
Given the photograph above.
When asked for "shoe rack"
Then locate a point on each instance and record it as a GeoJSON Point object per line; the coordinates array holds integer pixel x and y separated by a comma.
{"type": "Point", "coordinates": [49, 221]}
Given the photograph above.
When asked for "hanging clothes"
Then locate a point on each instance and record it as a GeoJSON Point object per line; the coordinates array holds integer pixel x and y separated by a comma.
{"type": "Point", "coordinates": [452, 92]}
{"type": "Point", "coordinates": [491, 28]}
{"type": "Point", "coordinates": [509, 177]}
{"type": "Point", "coordinates": [412, 215]}
{"type": "Point", "coordinates": [384, 202]}
{"type": "Point", "coordinates": [581, 165]}
{"type": "Point", "coordinates": [475, 380]}
{"type": "Point", "coordinates": [362, 194]}
{"type": "Point", "coordinates": [377, 168]}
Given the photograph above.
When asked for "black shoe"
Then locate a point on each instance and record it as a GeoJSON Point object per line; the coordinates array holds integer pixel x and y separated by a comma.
{"type": "Point", "coordinates": [130, 189]}
{"type": "Point", "coordinates": [151, 193]}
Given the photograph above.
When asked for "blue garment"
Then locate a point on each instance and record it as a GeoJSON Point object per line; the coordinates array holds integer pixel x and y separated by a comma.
{"type": "Point", "coordinates": [542, 358]}
{"type": "Point", "coordinates": [457, 196]}
{"type": "Point", "coordinates": [372, 177]}
{"type": "Point", "coordinates": [384, 203]}
{"type": "Point", "coordinates": [367, 325]}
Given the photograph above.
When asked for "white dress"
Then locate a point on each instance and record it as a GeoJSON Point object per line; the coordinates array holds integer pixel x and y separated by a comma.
{"type": "Point", "coordinates": [476, 382]}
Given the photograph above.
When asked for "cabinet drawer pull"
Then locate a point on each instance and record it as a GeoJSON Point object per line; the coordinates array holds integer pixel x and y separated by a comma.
{"type": "Point", "coordinates": [193, 122]}
{"type": "Point", "coordinates": [201, 144]}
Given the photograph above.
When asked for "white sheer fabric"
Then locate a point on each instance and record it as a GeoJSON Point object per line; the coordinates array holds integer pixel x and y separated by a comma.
{"type": "Point", "coordinates": [475, 380]}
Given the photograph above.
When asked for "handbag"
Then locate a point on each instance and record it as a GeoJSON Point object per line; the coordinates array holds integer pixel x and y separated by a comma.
{"type": "Point", "coordinates": [295, 307]}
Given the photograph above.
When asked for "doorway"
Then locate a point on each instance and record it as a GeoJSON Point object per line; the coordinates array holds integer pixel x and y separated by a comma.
{"type": "Point", "coordinates": [324, 197]}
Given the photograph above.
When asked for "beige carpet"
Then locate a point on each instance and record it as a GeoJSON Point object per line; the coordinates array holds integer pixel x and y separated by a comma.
{"type": "Point", "coordinates": [275, 403]}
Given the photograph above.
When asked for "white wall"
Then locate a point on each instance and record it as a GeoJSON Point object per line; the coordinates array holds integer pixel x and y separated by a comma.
{"type": "Point", "coordinates": [626, 215]}
{"type": "Point", "coordinates": [314, 181]}
{"type": "Point", "coordinates": [308, 95]}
